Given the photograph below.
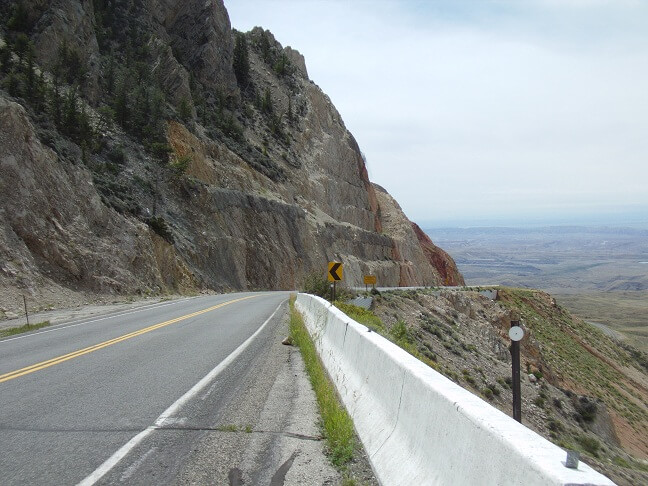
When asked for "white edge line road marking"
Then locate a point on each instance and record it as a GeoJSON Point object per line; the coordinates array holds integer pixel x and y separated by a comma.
{"type": "Point", "coordinates": [179, 403]}
{"type": "Point", "coordinates": [59, 327]}
{"type": "Point", "coordinates": [133, 467]}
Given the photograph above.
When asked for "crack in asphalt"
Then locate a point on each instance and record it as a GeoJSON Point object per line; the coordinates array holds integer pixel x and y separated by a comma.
{"type": "Point", "coordinates": [163, 428]}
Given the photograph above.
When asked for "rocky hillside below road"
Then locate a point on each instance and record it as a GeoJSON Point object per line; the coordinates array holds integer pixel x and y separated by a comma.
{"type": "Point", "coordinates": [137, 159]}
{"type": "Point", "coordinates": [581, 389]}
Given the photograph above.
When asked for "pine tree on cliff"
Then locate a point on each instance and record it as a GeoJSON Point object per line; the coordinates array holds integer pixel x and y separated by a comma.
{"type": "Point", "coordinates": [70, 124]}
{"type": "Point", "coordinates": [241, 61]}
{"type": "Point", "coordinates": [19, 20]}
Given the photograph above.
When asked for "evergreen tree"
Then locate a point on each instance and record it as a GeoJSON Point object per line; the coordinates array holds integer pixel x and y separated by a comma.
{"type": "Point", "coordinates": [19, 20]}
{"type": "Point", "coordinates": [85, 131]}
{"type": "Point", "coordinates": [184, 110]}
{"type": "Point", "coordinates": [55, 104]}
{"type": "Point", "coordinates": [281, 66]}
{"type": "Point", "coordinates": [104, 20]}
{"type": "Point", "coordinates": [266, 102]}
{"type": "Point", "coordinates": [40, 92]}
{"type": "Point", "coordinates": [30, 76]}
{"type": "Point", "coordinates": [56, 75]}
{"type": "Point", "coordinates": [21, 45]}
{"type": "Point", "coordinates": [62, 55]}
{"type": "Point", "coordinates": [71, 124]}
{"type": "Point", "coordinates": [276, 127]}
{"type": "Point", "coordinates": [161, 151]}
{"type": "Point", "coordinates": [6, 58]}
{"type": "Point", "coordinates": [70, 64]}
{"type": "Point", "coordinates": [76, 69]}
{"type": "Point", "coordinates": [12, 84]}
{"type": "Point", "coordinates": [140, 109]}
{"type": "Point", "coordinates": [265, 48]}
{"type": "Point", "coordinates": [121, 103]}
{"type": "Point", "coordinates": [241, 61]}
{"type": "Point", "coordinates": [106, 118]}
{"type": "Point", "coordinates": [110, 76]}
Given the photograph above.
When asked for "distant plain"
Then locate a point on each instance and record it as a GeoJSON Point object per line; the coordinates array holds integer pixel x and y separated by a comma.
{"type": "Point", "coordinates": [599, 273]}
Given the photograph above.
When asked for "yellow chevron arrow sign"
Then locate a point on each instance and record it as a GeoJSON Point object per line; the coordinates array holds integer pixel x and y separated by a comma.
{"type": "Point", "coordinates": [334, 271]}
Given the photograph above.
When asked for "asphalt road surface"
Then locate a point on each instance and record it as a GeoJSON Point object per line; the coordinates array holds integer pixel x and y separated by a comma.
{"type": "Point", "coordinates": [126, 398]}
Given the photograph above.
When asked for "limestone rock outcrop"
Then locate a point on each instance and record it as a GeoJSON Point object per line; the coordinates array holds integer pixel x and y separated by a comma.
{"type": "Point", "coordinates": [246, 185]}
{"type": "Point", "coordinates": [56, 235]}
{"type": "Point", "coordinates": [420, 261]}
{"type": "Point", "coordinates": [201, 31]}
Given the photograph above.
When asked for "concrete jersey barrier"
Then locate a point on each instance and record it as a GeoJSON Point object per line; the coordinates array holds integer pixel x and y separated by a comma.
{"type": "Point", "coordinates": [420, 428]}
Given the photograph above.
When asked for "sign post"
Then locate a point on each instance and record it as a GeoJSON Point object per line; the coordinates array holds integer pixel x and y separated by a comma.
{"type": "Point", "coordinates": [369, 280]}
{"type": "Point", "coordinates": [516, 333]}
{"type": "Point", "coordinates": [334, 275]}
{"type": "Point", "coordinates": [26, 313]}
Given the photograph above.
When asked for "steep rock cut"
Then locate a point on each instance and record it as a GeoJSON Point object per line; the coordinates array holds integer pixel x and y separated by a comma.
{"type": "Point", "coordinates": [57, 237]}
{"type": "Point", "coordinates": [420, 261]}
{"type": "Point", "coordinates": [191, 178]}
{"type": "Point", "coordinates": [439, 259]}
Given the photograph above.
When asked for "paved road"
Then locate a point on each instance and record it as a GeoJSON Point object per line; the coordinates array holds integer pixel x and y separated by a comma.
{"type": "Point", "coordinates": [607, 330]}
{"type": "Point", "coordinates": [75, 399]}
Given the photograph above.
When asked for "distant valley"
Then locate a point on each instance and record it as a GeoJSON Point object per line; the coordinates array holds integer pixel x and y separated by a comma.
{"type": "Point", "coordinates": [599, 273]}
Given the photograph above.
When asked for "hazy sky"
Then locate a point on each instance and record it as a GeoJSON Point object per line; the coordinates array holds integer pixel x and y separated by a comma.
{"type": "Point", "coordinates": [483, 110]}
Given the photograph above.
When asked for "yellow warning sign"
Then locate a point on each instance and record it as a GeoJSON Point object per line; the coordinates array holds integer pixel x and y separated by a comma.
{"type": "Point", "coordinates": [334, 271]}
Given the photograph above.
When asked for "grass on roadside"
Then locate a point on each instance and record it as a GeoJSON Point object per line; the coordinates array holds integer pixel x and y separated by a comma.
{"type": "Point", "coordinates": [363, 316]}
{"type": "Point", "coordinates": [24, 328]}
{"type": "Point", "coordinates": [336, 422]}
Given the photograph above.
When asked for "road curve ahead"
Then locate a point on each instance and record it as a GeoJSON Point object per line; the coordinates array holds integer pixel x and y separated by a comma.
{"type": "Point", "coordinates": [76, 399]}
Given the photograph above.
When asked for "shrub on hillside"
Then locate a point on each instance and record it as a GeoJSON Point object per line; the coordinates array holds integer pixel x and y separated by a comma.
{"type": "Point", "coordinates": [401, 333]}
{"type": "Point", "coordinates": [159, 225]}
{"type": "Point", "coordinates": [586, 409]}
{"type": "Point", "coordinates": [316, 284]}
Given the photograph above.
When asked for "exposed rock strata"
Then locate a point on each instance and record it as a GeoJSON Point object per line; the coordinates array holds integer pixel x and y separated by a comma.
{"type": "Point", "coordinates": [58, 235]}
{"type": "Point", "coordinates": [261, 209]}
{"type": "Point", "coordinates": [420, 261]}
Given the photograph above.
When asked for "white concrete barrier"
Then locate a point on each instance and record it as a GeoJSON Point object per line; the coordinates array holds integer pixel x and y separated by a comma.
{"type": "Point", "coordinates": [418, 427]}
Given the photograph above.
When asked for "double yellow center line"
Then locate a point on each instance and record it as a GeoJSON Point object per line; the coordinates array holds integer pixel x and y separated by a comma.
{"type": "Point", "coordinates": [75, 354]}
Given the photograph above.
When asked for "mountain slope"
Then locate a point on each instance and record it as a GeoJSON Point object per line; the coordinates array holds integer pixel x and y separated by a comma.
{"type": "Point", "coordinates": [147, 147]}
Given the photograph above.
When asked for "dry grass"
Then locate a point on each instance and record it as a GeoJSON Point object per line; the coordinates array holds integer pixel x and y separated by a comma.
{"type": "Point", "coordinates": [20, 329]}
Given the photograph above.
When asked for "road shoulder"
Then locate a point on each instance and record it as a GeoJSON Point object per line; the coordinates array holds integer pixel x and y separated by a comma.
{"type": "Point", "coordinates": [269, 434]}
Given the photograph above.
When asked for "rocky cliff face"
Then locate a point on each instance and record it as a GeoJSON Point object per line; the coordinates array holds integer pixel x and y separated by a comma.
{"type": "Point", "coordinates": [146, 147]}
{"type": "Point", "coordinates": [417, 256]}
{"type": "Point", "coordinates": [56, 235]}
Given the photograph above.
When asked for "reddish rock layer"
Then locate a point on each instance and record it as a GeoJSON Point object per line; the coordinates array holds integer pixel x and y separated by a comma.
{"type": "Point", "coordinates": [439, 259]}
